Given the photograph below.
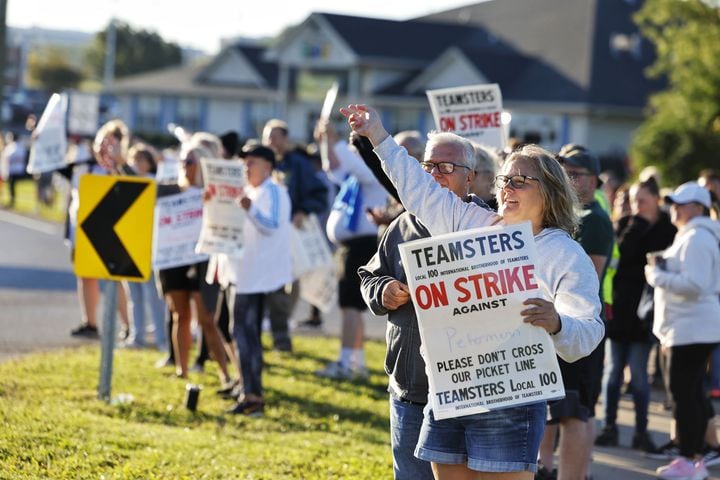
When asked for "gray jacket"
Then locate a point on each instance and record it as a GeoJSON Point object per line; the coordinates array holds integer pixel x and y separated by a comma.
{"type": "Point", "coordinates": [404, 365]}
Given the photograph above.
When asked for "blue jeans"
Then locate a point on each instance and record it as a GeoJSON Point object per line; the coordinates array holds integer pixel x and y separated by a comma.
{"type": "Point", "coordinates": [141, 294]}
{"type": "Point", "coordinates": [405, 422]}
{"type": "Point", "coordinates": [635, 355]}
{"type": "Point", "coordinates": [246, 311]}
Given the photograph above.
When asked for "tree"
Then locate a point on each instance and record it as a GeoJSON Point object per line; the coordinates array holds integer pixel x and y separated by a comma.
{"type": "Point", "coordinates": [136, 51]}
{"type": "Point", "coordinates": [51, 71]}
{"type": "Point", "coordinates": [681, 134]}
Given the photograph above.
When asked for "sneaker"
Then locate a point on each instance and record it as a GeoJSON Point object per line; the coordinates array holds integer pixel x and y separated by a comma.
{"type": "Point", "coordinates": [312, 323]}
{"type": "Point", "coordinates": [284, 346]}
{"type": "Point", "coordinates": [545, 474]}
{"type": "Point", "coordinates": [197, 368]}
{"type": "Point", "coordinates": [165, 362]}
{"type": "Point", "coordinates": [227, 387]}
{"type": "Point", "coordinates": [249, 408]}
{"type": "Point", "coordinates": [336, 371]}
{"type": "Point", "coordinates": [668, 451]}
{"type": "Point", "coordinates": [642, 441]}
{"type": "Point", "coordinates": [701, 472]}
{"type": "Point", "coordinates": [608, 437]}
{"type": "Point", "coordinates": [85, 330]}
{"type": "Point", "coordinates": [360, 373]}
{"type": "Point", "coordinates": [678, 469]}
{"type": "Point", "coordinates": [712, 457]}
{"type": "Point", "coordinates": [123, 334]}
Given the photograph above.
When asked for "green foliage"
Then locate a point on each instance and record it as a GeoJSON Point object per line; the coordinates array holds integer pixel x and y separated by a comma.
{"type": "Point", "coordinates": [136, 51]}
{"type": "Point", "coordinates": [681, 134]}
{"type": "Point", "coordinates": [26, 202]}
{"type": "Point", "coordinates": [52, 425]}
{"type": "Point", "coordinates": [52, 71]}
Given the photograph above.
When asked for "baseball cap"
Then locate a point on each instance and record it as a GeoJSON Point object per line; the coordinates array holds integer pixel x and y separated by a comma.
{"type": "Point", "coordinates": [690, 192]}
{"type": "Point", "coordinates": [257, 150]}
{"type": "Point", "coordinates": [579, 156]}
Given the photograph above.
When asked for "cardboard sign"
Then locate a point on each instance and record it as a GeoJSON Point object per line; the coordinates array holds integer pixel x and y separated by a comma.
{"type": "Point", "coordinates": [50, 139]}
{"type": "Point", "coordinates": [473, 112]}
{"type": "Point", "coordinates": [468, 288]}
{"type": "Point", "coordinates": [223, 218]}
{"type": "Point", "coordinates": [178, 221]}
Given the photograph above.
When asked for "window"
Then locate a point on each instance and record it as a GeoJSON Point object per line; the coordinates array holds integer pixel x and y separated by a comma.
{"type": "Point", "coordinates": [148, 114]}
{"type": "Point", "coordinates": [188, 113]}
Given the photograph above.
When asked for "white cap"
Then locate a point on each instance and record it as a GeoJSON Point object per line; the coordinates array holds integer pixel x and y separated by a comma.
{"type": "Point", "coordinates": [690, 192]}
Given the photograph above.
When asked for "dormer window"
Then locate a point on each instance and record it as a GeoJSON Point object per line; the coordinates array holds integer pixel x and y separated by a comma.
{"type": "Point", "coordinates": [626, 44]}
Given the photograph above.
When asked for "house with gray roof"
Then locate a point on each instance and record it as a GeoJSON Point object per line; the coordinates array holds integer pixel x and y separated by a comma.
{"type": "Point", "coordinates": [569, 70]}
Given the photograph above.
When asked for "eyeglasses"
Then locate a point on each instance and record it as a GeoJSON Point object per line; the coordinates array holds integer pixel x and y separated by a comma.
{"type": "Point", "coordinates": [515, 181]}
{"type": "Point", "coordinates": [445, 168]}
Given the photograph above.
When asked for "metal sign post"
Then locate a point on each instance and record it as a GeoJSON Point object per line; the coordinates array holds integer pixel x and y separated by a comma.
{"type": "Point", "coordinates": [107, 344]}
{"type": "Point", "coordinates": [113, 242]}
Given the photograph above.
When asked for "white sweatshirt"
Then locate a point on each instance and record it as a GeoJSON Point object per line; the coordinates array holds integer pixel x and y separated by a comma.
{"type": "Point", "coordinates": [687, 309]}
{"type": "Point", "coordinates": [565, 273]}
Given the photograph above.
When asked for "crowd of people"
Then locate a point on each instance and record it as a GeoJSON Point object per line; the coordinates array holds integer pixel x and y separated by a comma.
{"type": "Point", "coordinates": [628, 274]}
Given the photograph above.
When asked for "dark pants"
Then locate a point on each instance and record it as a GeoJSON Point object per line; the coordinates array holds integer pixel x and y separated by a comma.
{"type": "Point", "coordinates": [280, 306]}
{"type": "Point", "coordinates": [246, 311]}
{"type": "Point", "coordinates": [691, 409]}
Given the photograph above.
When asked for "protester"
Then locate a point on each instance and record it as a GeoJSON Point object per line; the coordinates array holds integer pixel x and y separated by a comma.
{"type": "Point", "coordinates": [686, 278]}
{"type": "Point", "coordinates": [142, 158]}
{"type": "Point", "coordinates": [109, 154]}
{"type": "Point", "coordinates": [355, 235]}
{"type": "Point", "coordinates": [574, 415]}
{"type": "Point", "coordinates": [307, 195]}
{"type": "Point", "coordinates": [709, 179]}
{"type": "Point", "coordinates": [385, 291]}
{"type": "Point", "coordinates": [487, 163]}
{"type": "Point", "coordinates": [216, 297]}
{"type": "Point", "coordinates": [648, 229]}
{"type": "Point", "coordinates": [532, 187]}
{"type": "Point", "coordinates": [185, 285]}
{"type": "Point", "coordinates": [12, 165]}
{"type": "Point", "coordinates": [263, 267]}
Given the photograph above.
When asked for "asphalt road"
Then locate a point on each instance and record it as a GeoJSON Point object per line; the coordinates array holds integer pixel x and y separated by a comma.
{"type": "Point", "coordinates": [38, 307]}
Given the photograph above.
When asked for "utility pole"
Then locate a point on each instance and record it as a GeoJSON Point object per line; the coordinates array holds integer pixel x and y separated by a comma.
{"type": "Point", "coordinates": [3, 55]}
{"type": "Point", "coordinates": [110, 42]}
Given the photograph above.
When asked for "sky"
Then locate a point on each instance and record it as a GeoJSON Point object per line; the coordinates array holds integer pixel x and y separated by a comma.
{"type": "Point", "coordinates": [202, 24]}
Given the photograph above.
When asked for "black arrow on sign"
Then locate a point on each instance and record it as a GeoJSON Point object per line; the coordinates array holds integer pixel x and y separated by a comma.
{"type": "Point", "coordinates": [99, 227]}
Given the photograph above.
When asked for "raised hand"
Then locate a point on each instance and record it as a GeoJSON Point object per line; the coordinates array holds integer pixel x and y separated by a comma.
{"type": "Point", "coordinates": [366, 122]}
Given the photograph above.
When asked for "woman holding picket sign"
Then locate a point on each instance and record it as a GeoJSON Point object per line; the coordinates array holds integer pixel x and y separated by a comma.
{"type": "Point", "coordinates": [501, 444]}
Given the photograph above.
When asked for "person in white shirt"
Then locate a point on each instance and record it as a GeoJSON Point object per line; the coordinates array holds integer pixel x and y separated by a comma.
{"type": "Point", "coordinates": [13, 163]}
{"type": "Point", "coordinates": [263, 267]}
{"type": "Point", "coordinates": [350, 228]}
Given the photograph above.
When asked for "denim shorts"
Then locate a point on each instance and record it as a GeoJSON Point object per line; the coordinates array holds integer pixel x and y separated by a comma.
{"type": "Point", "coordinates": [505, 440]}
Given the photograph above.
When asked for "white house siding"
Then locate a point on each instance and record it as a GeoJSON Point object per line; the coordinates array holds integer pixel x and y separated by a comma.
{"type": "Point", "coordinates": [611, 134]}
{"type": "Point", "coordinates": [224, 115]}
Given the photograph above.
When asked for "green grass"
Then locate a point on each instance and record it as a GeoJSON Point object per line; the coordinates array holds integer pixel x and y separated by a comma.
{"type": "Point", "coordinates": [26, 202]}
{"type": "Point", "coordinates": [53, 426]}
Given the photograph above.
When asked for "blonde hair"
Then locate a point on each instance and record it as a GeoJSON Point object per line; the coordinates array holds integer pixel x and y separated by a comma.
{"type": "Point", "coordinates": [207, 140]}
{"type": "Point", "coordinates": [560, 203]}
{"type": "Point", "coordinates": [199, 152]}
{"type": "Point", "coordinates": [115, 128]}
